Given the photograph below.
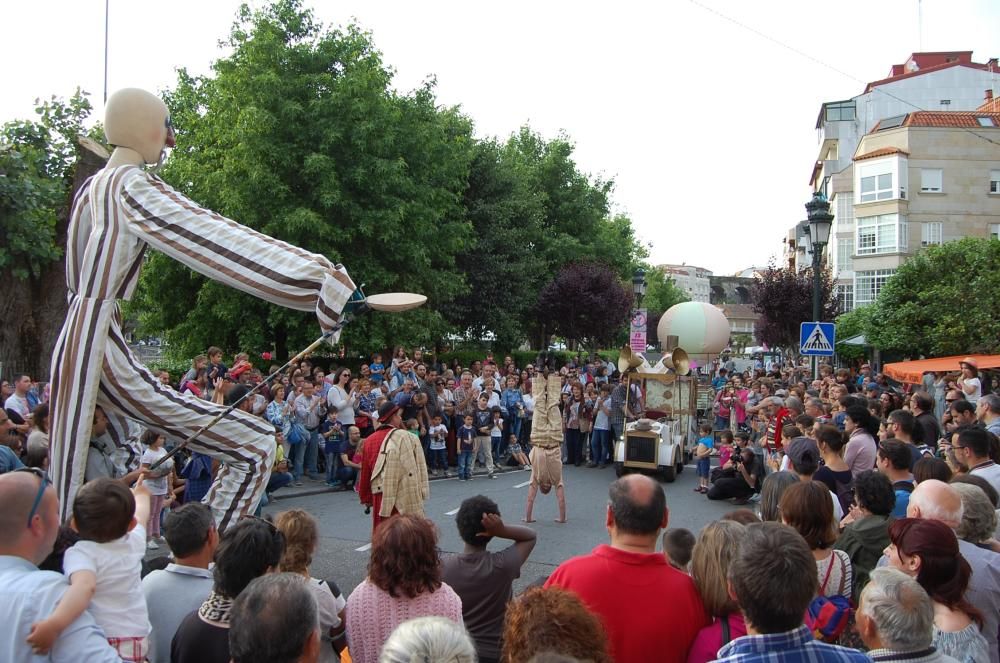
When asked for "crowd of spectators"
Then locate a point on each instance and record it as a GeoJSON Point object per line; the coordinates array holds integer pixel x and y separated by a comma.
{"type": "Point", "coordinates": [873, 538]}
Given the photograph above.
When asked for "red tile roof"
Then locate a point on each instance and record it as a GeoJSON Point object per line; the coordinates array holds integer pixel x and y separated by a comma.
{"type": "Point", "coordinates": [881, 152]}
{"type": "Point", "coordinates": [959, 119]}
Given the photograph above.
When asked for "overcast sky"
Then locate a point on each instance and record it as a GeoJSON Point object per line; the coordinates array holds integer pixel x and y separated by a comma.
{"type": "Point", "coordinates": [707, 127]}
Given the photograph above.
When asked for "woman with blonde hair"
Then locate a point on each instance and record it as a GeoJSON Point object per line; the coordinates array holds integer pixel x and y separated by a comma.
{"type": "Point", "coordinates": [716, 546]}
{"type": "Point", "coordinates": [301, 540]}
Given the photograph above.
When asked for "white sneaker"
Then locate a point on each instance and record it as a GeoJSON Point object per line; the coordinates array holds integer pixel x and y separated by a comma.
{"type": "Point", "coordinates": [152, 545]}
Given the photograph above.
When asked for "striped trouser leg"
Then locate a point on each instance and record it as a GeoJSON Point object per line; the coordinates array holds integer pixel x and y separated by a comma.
{"type": "Point", "coordinates": [244, 444]}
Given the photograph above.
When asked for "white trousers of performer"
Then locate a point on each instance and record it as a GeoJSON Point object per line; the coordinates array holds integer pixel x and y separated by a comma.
{"type": "Point", "coordinates": [244, 444]}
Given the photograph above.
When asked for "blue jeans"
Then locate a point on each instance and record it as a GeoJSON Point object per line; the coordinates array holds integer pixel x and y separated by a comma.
{"type": "Point", "coordinates": [439, 459]}
{"type": "Point", "coordinates": [312, 452]}
{"type": "Point", "coordinates": [465, 464]}
{"type": "Point", "coordinates": [600, 446]}
{"type": "Point", "coordinates": [278, 480]}
{"type": "Point", "coordinates": [298, 454]}
{"type": "Point", "coordinates": [346, 475]}
{"type": "Point", "coordinates": [332, 461]}
{"type": "Point", "coordinates": [495, 444]}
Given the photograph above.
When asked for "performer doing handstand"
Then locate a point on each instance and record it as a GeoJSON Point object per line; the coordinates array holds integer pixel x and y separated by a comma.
{"type": "Point", "coordinates": [546, 441]}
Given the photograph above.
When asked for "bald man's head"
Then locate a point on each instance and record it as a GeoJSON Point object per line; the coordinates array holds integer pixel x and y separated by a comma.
{"type": "Point", "coordinates": [638, 505]}
{"type": "Point", "coordinates": [18, 491]}
{"type": "Point", "coordinates": [936, 500]}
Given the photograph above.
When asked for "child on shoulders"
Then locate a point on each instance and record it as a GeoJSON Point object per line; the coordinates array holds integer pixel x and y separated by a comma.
{"type": "Point", "coordinates": [104, 569]}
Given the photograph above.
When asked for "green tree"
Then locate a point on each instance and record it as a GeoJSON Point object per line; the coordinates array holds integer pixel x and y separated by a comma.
{"type": "Point", "coordinates": [501, 274]}
{"type": "Point", "coordinates": [851, 324]}
{"type": "Point", "coordinates": [39, 174]}
{"type": "Point", "coordinates": [941, 302]}
{"type": "Point", "coordinates": [298, 134]}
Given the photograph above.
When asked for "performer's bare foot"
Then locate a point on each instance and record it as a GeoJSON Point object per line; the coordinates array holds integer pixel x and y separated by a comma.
{"type": "Point", "coordinates": [558, 520]}
{"type": "Point", "coordinates": [527, 520]}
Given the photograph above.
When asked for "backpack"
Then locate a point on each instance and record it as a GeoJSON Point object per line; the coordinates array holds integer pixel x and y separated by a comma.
{"type": "Point", "coordinates": [845, 493]}
{"type": "Point", "coordinates": [828, 616]}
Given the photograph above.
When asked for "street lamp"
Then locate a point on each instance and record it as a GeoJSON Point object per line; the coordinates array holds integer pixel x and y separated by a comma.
{"type": "Point", "coordinates": [639, 286]}
{"type": "Point", "coordinates": [820, 220]}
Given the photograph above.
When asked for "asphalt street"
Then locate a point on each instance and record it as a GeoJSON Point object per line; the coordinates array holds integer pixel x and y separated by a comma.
{"type": "Point", "coordinates": [345, 530]}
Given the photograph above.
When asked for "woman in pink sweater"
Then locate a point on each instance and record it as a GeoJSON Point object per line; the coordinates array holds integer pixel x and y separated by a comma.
{"type": "Point", "coordinates": [404, 582]}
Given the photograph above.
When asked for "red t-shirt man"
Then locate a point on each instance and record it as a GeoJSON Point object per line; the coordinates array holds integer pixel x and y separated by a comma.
{"type": "Point", "coordinates": [651, 612]}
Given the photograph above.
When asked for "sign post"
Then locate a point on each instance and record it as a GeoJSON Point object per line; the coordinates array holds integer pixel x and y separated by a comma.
{"type": "Point", "coordinates": [637, 330]}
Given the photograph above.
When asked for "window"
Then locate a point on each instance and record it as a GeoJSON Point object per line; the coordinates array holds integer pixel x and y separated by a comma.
{"type": "Point", "coordinates": [845, 248]}
{"type": "Point", "coordinates": [876, 187]}
{"type": "Point", "coordinates": [868, 284]}
{"type": "Point", "coordinates": [930, 180]}
{"type": "Point", "coordinates": [995, 231]}
{"type": "Point", "coordinates": [985, 121]}
{"type": "Point", "coordinates": [995, 181]}
{"type": "Point", "coordinates": [931, 233]}
{"type": "Point", "coordinates": [844, 218]}
{"type": "Point", "coordinates": [884, 233]}
{"type": "Point", "coordinates": [891, 122]}
{"type": "Point", "coordinates": [845, 297]}
{"type": "Point", "coordinates": [840, 111]}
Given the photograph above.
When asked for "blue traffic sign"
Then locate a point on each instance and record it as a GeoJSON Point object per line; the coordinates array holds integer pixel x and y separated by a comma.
{"type": "Point", "coordinates": [816, 339]}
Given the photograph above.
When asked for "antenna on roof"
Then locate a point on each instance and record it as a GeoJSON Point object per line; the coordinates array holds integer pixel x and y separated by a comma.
{"type": "Point", "coordinates": [920, 25]}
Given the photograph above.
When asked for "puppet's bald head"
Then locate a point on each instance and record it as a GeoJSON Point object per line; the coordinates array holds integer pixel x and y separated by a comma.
{"type": "Point", "coordinates": [140, 121]}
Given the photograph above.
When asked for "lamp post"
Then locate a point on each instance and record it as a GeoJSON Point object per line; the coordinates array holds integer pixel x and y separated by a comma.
{"type": "Point", "coordinates": [820, 220]}
{"type": "Point", "coordinates": [639, 286]}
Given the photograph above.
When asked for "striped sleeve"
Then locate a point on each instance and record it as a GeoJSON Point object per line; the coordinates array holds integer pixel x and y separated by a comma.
{"type": "Point", "coordinates": [238, 256]}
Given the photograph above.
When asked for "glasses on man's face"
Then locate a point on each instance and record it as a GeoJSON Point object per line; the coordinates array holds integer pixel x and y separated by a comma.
{"type": "Point", "coordinates": [950, 400]}
{"type": "Point", "coordinates": [44, 482]}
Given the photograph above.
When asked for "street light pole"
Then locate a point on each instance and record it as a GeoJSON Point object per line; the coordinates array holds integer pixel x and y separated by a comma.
{"type": "Point", "coordinates": [820, 220]}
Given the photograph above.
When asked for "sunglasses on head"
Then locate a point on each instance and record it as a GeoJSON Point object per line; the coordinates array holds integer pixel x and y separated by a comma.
{"type": "Point", "coordinates": [43, 483]}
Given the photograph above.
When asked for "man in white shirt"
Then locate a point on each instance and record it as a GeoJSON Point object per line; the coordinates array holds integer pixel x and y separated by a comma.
{"type": "Point", "coordinates": [18, 403]}
{"type": "Point", "coordinates": [171, 594]}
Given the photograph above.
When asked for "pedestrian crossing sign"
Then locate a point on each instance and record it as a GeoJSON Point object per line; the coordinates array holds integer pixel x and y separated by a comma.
{"type": "Point", "coordinates": [816, 339]}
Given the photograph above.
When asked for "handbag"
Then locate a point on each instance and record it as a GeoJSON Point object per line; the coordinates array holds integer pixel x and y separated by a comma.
{"type": "Point", "coordinates": [296, 434]}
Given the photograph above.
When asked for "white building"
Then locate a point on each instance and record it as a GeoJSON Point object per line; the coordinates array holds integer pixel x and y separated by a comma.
{"type": "Point", "coordinates": [693, 280]}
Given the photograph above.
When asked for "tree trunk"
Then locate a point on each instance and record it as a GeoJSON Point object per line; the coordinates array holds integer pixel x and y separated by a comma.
{"type": "Point", "coordinates": [34, 309]}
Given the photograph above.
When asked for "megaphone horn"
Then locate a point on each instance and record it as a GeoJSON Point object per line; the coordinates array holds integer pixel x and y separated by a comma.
{"type": "Point", "coordinates": [628, 360]}
{"type": "Point", "coordinates": [677, 360]}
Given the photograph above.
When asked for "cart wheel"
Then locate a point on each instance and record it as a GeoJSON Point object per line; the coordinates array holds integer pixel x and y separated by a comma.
{"type": "Point", "coordinates": [680, 467]}
{"type": "Point", "coordinates": [669, 474]}
{"type": "Point", "coordinates": [620, 470]}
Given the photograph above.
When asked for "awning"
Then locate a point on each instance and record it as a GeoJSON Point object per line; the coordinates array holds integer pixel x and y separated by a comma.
{"type": "Point", "coordinates": [912, 371]}
{"type": "Point", "coordinates": [854, 340]}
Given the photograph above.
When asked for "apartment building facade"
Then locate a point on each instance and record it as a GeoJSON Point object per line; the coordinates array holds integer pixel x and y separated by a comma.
{"type": "Point", "coordinates": [941, 81]}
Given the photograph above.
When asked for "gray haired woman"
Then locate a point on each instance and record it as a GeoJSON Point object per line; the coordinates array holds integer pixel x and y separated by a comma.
{"type": "Point", "coordinates": [429, 639]}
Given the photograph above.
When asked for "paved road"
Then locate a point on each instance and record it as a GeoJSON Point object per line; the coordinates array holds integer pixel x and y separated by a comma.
{"type": "Point", "coordinates": [345, 531]}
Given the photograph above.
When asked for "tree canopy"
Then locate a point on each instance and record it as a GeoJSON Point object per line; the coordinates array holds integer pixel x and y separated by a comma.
{"type": "Point", "coordinates": [300, 135]}
{"type": "Point", "coordinates": [783, 297]}
{"type": "Point", "coordinates": [586, 302]}
{"type": "Point", "coordinates": [940, 302]}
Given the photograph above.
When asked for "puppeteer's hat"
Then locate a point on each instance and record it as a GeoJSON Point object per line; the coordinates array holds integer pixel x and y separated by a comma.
{"type": "Point", "coordinates": [386, 411]}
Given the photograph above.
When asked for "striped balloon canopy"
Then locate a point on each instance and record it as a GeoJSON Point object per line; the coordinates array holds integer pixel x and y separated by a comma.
{"type": "Point", "coordinates": [700, 328]}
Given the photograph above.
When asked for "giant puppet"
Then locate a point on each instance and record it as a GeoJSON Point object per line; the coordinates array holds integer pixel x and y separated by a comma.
{"type": "Point", "coordinates": [116, 214]}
